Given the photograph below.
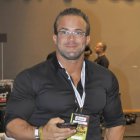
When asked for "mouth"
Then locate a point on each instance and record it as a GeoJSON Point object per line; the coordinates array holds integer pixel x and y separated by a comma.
{"type": "Point", "coordinates": [71, 45]}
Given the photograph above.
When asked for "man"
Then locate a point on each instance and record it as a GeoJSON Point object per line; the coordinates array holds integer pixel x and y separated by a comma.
{"type": "Point", "coordinates": [50, 92]}
{"type": "Point", "coordinates": [101, 59]}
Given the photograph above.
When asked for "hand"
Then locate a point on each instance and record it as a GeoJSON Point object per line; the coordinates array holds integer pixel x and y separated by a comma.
{"type": "Point", "coordinates": [52, 132]}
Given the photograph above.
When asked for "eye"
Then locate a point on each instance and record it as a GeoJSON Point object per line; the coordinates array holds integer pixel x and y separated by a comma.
{"type": "Point", "coordinates": [63, 32]}
{"type": "Point", "coordinates": [79, 33]}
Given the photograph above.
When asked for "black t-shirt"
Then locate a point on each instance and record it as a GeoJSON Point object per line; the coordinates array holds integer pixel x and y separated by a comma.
{"type": "Point", "coordinates": [44, 92]}
{"type": "Point", "coordinates": [103, 61]}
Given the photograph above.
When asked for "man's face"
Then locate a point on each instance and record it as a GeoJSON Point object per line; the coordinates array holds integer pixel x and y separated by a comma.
{"type": "Point", "coordinates": [71, 39]}
{"type": "Point", "coordinates": [98, 48]}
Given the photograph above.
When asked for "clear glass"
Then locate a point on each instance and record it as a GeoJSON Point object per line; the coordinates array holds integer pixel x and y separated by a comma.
{"type": "Point", "coordinates": [67, 33]}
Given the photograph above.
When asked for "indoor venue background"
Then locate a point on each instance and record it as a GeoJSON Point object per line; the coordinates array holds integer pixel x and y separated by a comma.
{"type": "Point", "coordinates": [29, 28]}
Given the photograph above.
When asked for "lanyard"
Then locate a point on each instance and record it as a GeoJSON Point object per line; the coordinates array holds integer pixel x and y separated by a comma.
{"type": "Point", "coordinates": [80, 99]}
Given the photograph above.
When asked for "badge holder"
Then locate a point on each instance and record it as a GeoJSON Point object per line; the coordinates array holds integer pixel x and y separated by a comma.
{"type": "Point", "coordinates": [82, 128]}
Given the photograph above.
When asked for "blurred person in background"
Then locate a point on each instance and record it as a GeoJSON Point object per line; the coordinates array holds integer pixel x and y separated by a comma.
{"type": "Point", "coordinates": [101, 59]}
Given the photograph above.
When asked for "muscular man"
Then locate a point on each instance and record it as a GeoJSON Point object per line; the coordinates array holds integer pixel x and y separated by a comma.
{"type": "Point", "coordinates": [50, 92]}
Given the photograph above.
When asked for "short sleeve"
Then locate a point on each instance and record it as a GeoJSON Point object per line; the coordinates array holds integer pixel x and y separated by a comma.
{"type": "Point", "coordinates": [113, 113]}
{"type": "Point", "coordinates": [22, 99]}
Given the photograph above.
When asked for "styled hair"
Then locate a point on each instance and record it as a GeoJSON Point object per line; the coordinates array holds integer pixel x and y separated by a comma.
{"type": "Point", "coordinates": [72, 11]}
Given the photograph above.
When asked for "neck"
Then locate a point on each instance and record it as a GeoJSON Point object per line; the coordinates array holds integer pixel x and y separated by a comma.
{"type": "Point", "coordinates": [73, 67]}
{"type": "Point", "coordinates": [101, 54]}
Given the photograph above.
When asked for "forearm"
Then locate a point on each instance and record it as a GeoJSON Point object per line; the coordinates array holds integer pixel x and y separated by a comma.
{"type": "Point", "coordinates": [114, 133]}
{"type": "Point", "coordinates": [20, 130]}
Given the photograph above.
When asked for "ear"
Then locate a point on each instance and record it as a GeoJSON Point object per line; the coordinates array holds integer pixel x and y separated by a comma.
{"type": "Point", "coordinates": [55, 39]}
{"type": "Point", "coordinates": [87, 40]}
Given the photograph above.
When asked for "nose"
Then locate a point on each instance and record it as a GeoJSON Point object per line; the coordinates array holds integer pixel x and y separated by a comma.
{"type": "Point", "coordinates": [71, 36]}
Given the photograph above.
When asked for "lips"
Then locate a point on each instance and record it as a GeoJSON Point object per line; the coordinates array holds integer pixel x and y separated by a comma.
{"type": "Point", "coordinates": [71, 45]}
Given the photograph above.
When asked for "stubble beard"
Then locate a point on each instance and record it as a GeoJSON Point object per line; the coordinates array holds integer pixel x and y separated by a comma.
{"type": "Point", "coordinates": [71, 55]}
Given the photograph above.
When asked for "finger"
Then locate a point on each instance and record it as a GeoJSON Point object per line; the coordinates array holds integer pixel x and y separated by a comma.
{"type": "Point", "coordinates": [56, 120]}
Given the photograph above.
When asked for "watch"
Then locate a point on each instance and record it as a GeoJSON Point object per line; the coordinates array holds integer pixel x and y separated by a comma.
{"type": "Point", "coordinates": [36, 133]}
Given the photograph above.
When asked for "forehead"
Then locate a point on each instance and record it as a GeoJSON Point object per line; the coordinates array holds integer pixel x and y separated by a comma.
{"type": "Point", "coordinates": [99, 45]}
{"type": "Point", "coordinates": [71, 22]}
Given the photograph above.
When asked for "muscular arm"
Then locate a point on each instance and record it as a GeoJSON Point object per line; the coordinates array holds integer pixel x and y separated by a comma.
{"type": "Point", "coordinates": [113, 114]}
{"type": "Point", "coordinates": [114, 133]}
{"type": "Point", "coordinates": [21, 130]}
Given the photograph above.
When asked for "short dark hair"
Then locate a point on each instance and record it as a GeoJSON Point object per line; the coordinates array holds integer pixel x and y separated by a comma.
{"type": "Point", "coordinates": [72, 11]}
